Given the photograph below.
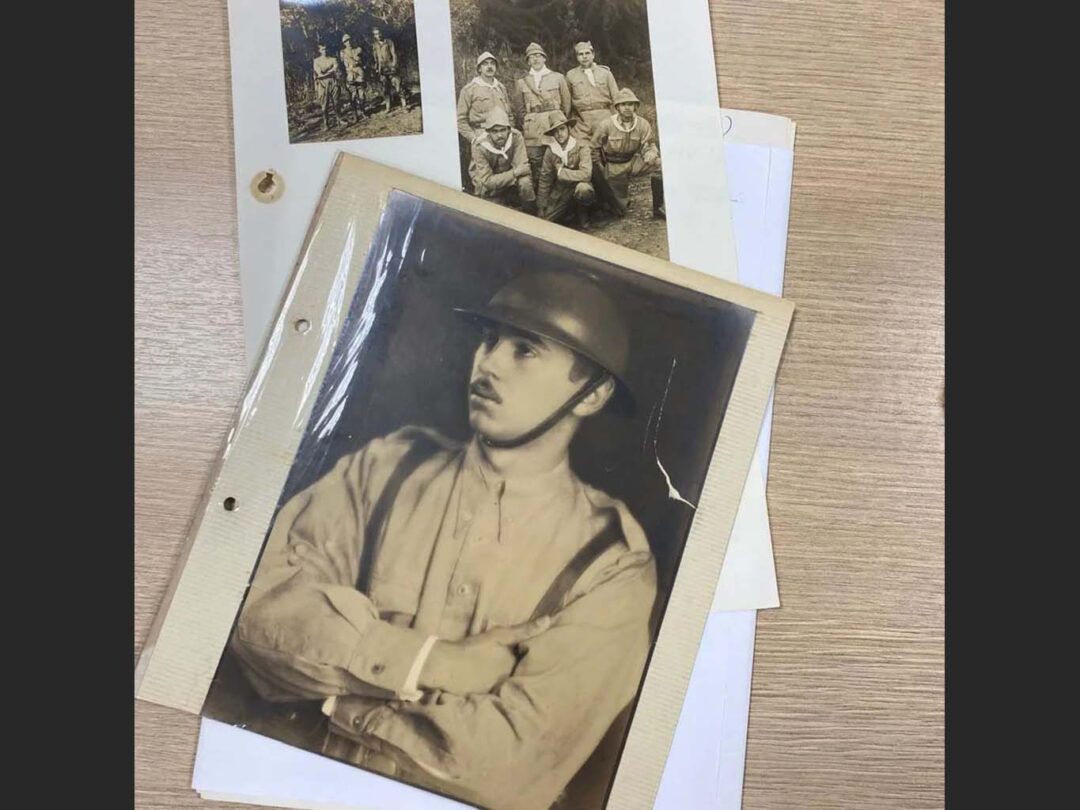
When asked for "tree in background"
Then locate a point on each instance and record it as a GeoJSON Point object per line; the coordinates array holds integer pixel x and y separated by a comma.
{"type": "Point", "coordinates": [618, 30]}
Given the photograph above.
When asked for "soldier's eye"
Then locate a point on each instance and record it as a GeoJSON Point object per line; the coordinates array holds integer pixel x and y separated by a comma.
{"type": "Point", "coordinates": [523, 349]}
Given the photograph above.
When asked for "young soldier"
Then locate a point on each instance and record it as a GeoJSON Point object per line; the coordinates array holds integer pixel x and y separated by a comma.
{"type": "Point", "coordinates": [537, 93]}
{"type": "Point", "coordinates": [565, 186]}
{"type": "Point", "coordinates": [474, 615]}
{"type": "Point", "coordinates": [479, 97]}
{"type": "Point", "coordinates": [627, 150]}
{"type": "Point", "coordinates": [499, 167]}
{"type": "Point", "coordinates": [326, 85]}
{"type": "Point", "coordinates": [386, 66]}
{"type": "Point", "coordinates": [592, 92]}
{"type": "Point", "coordinates": [354, 76]}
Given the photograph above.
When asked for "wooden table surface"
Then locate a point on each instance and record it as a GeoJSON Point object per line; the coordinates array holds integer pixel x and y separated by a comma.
{"type": "Point", "coordinates": [847, 705]}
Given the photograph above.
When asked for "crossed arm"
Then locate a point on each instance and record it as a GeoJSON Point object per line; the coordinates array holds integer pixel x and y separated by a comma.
{"type": "Point", "coordinates": [508, 715]}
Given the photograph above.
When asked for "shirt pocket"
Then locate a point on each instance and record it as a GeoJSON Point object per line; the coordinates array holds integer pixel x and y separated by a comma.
{"type": "Point", "coordinates": [551, 97]}
{"type": "Point", "coordinates": [482, 105]}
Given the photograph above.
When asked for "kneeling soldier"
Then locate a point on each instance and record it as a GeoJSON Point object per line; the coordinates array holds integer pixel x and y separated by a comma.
{"type": "Point", "coordinates": [627, 150]}
{"type": "Point", "coordinates": [474, 615]}
{"type": "Point", "coordinates": [500, 167]}
{"type": "Point", "coordinates": [565, 185]}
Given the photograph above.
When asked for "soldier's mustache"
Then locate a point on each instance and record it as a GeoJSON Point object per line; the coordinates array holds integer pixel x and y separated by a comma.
{"type": "Point", "coordinates": [482, 387]}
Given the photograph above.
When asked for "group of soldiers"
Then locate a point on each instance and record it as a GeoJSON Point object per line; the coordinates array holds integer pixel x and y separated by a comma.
{"type": "Point", "coordinates": [346, 73]}
{"type": "Point", "coordinates": [561, 146]}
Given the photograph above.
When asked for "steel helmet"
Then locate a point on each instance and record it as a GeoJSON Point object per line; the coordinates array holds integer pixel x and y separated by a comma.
{"type": "Point", "coordinates": [569, 309]}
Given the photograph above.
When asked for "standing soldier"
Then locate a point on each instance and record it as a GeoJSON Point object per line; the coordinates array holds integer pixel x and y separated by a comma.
{"type": "Point", "coordinates": [386, 65]}
{"type": "Point", "coordinates": [326, 86]}
{"type": "Point", "coordinates": [354, 76]}
{"type": "Point", "coordinates": [500, 167]}
{"type": "Point", "coordinates": [479, 97]}
{"type": "Point", "coordinates": [627, 149]}
{"type": "Point", "coordinates": [592, 92]}
{"type": "Point", "coordinates": [565, 175]}
{"type": "Point", "coordinates": [538, 93]}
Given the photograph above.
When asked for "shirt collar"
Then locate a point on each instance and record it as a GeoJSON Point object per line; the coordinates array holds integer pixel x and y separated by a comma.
{"type": "Point", "coordinates": [538, 485]}
{"type": "Point", "coordinates": [495, 83]}
{"type": "Point", "coordinates": [620, 127]}
{"type": "Point", "coordinates": [539, 74]}
{"type": "Point", "coordinates": [490, 147]}
{"type": "Point", "coordinates": [564, 154]}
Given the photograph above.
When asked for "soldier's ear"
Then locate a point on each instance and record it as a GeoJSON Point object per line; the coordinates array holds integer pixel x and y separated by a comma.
{"type": "Point", "coordinates": [596, 399]}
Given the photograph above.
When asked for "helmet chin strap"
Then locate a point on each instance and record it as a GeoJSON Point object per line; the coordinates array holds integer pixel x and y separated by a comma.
{"type": "Point", "coordinates": [594, 382]}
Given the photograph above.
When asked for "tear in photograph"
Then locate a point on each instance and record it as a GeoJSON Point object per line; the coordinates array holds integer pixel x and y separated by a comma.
{"type": "Point", "coordinates": [351, 69]}
{"type": "Point", "coordinates": [556, 114]}
{"type": "Point", "coordinates": [473, 552]}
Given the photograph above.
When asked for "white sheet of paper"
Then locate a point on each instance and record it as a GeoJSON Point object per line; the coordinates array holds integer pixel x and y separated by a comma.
{"type": "Point", "coordinates": [690, 125]}
{"type": "Point", "coordinates": [706, 761]}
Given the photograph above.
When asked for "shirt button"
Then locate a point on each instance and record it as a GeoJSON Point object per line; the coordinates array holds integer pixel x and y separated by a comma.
{"type": "Point", "coordinates": [467, 516]}
{"type": "Point", "coordinates": [358, 721]}
{"type": "Point", "coordinates": [378, 668]}
{"type": "Point", "coordinates": [463, 589]}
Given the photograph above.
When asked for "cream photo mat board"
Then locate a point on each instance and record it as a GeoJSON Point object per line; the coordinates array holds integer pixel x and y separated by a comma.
{"type": "Point", "coordinates": [190, 632]}
{"type": "Point", "coordinates": [271, 232]}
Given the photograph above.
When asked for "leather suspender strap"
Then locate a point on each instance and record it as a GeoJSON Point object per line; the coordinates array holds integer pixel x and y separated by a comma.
{"type": "Point", "coordinates": [586, 556]}
{"type": "Point", "coordinates": [421, 451]}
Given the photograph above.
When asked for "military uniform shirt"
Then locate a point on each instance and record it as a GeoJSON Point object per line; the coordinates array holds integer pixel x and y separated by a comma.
{"type": "Point", "coordinates": [351, 58]}
{"type": "Point", "coordinates": [492, 169]}
{"type": "Point", "coordinates": [385, 55]}
{"type": "Point", "coordinates": [621, 143]}
{"type": "Point", "coordinates": [475, 101]}
{"type": "Point", "coordinates": [535, 102]}
{"type": "Point", "coordinates": [587, 96]}
{"type": "Point", "coordinates": [463, 551]}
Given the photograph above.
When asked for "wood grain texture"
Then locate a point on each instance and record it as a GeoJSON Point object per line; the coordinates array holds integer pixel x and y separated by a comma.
{"type": "Point", "coordinates": [848, 693]}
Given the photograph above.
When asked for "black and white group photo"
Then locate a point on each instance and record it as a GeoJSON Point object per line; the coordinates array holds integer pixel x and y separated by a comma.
{"type": "Point", "coordinates": [556, 114]}
{"type": "Point", "coordinates": [351, 69]}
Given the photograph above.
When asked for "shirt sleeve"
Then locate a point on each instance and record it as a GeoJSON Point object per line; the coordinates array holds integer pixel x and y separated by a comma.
{"type": "Point", "coordinates": [480, 171]}
{"type": "Point", "coordinates": [564, 96]}
{"type": "Point", "coordinates": [583, 172]}
{"type": "Point", "coordinates": [464, 126]}
{"type": "Point", "coordinates": [600, 134]}
{"type": "Point", "coordinates": [546, 181]}
{"type": "Point", "coordinates": [305, 631]}
{"type": "Point", "coordinates": [650, 152]}
{"type": "Point", "coordinates": [613, 87]}
{"type": "Point", "coordinates": [520, 744]}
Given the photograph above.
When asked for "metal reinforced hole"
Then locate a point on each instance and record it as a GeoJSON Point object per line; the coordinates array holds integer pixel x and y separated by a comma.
{"type": "Point", "coordinates": [302, 325]}
{"type": "Point", "coordinates": [230, 504]}
{"type": "Point", "coordinates": [267, 186]}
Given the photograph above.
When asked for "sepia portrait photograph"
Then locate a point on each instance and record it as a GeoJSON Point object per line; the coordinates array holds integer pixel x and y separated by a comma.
{"type": "Point", "coordinates": [351, 69]}
{"type": "Point", "coordinates": [556, 114]}
{"type": "Point", "coordinates": [472, 554]}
